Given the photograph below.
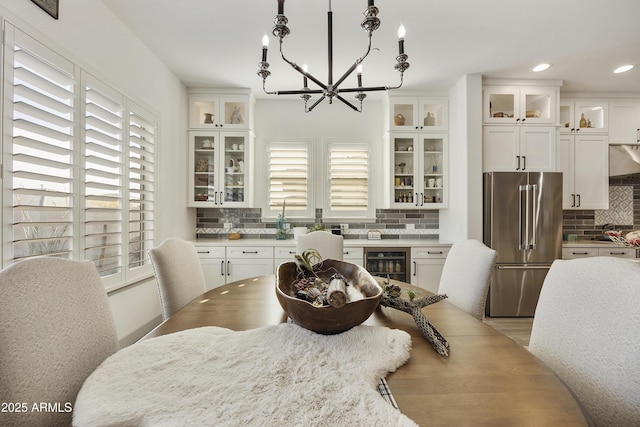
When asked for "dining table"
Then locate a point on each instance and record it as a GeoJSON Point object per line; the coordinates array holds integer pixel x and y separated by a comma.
{"type": "Point", "coordinates": [487, 379]}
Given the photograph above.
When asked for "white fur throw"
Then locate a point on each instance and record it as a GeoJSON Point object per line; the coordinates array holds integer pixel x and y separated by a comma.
{"type": "Point", "coordinates": [281, 375]}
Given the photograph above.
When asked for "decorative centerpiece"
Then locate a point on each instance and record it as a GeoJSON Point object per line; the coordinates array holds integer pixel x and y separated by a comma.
{"type": "Point", "coordinates": [326, 296]}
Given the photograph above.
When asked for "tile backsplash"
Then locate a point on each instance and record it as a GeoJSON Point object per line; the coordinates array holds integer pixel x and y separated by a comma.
{"type": "Point", "coordinates": [623, 213]}
{"type": "Point", "coordinates": [392, 224]}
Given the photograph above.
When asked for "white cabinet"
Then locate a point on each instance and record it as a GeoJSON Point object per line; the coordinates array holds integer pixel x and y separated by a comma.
{"type": "Point", "coordinates": [243, 262]}
{"type": "Point", "coordinates": [418, 113]}
{"type": "Point", "coordinates": [520, 104]}
{"type": "Point", "coordinates": [354, 255]}
{"type": "Point", "coordinates": [574, 252]}
{"type": "Point", "coordinates": [624, 122]}
{"type": "Point", "coordinates": [225, 265]}
{"type": "Point", "coordinates": [283, 254]}
{"type": "Point", "coordinates": [584, 116]}
{"type": "Point", "coordinates": [419, 170]}
{"type": "Point", "coordinates": [426, 268]}
{"type": "Point", "coordinates": [519, 148]}
{"type": "Point", "coordinates": [220, 169]}
{"type": "Point", "coordinates": [212, 259]}
{"type": "Point", "coordinates": [215, 111]}
{"type": "Point", "coordinates": [583, 160]}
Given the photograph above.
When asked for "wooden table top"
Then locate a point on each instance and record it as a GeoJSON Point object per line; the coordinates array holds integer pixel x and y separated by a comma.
{"type": "Point", "coordinates": [487, 379]}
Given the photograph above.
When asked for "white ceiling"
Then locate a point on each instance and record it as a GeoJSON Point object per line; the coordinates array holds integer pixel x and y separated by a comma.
{"type": "Point", "coordinates": [218, 43]}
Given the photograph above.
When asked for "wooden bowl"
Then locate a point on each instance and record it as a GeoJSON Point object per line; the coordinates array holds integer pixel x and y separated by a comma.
{"type": "Point", "coordinates": [329, 320]}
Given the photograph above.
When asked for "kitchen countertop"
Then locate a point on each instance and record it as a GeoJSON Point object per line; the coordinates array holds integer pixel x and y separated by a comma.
{"type": "Point", "coordinates": [348, 243]}
{"type": "Point", "coordinates": [588, 243]}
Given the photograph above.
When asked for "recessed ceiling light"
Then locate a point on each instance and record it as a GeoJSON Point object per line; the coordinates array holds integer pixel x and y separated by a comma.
{"type": "Point", "coordinates": [623, 68]}
{"type": "Point", "coordinates": [541, 67]}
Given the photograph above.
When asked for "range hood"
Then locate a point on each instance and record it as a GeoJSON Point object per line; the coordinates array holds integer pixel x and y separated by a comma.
{"type": "Point", "coordinates": [624, 162]}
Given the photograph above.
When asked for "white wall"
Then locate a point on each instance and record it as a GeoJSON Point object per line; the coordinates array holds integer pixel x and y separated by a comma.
{"type": "Point", "coordinates": [463, 219]}
{"type": "Point", "coordinates": [88, 34]}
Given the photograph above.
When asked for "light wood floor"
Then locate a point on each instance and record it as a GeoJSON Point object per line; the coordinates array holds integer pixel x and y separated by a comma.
{"type": "Point", "coordinates": [516, 328]}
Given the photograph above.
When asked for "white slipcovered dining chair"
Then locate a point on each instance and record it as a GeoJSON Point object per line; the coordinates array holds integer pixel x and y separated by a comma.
{"type": "Point", "coordinates": [57, 327]}
{"type": "Point", "coordinates": [178, 274]}
{"type": "Point", "coordinates": [586, 328]}
{"type": "Point", "coordinates": [466, 276]}
{"type": "Point", "coordinates": [329, 246]}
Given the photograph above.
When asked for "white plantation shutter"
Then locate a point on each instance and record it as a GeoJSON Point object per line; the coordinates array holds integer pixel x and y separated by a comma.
{"type": "Point", "coordinates": [141, 177]}
{"type": "Point", "coordinates": [42, 91]}
{"type": "Point", "coordinates": [348, 168]}
{"type": "Point", "coordinates": [290, 179]}
{"type": "Point", "coordinates": [103, 177]}
{"type": "Point", "coordinates": [80, 165]}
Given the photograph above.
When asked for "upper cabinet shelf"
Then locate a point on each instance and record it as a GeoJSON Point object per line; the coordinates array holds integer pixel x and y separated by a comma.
{"type": "Point", "coordinates": [221, 112]}
{"type": "Point", "coordinates": [520, 104]}
{"type": "Point", "coordinates": [584, 116]}
{"type": "Point", "coordinates": [418, 113]}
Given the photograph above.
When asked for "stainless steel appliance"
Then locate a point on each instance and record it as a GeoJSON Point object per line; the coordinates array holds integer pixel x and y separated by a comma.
{"type": "Point", "coordinates": [523, 223]}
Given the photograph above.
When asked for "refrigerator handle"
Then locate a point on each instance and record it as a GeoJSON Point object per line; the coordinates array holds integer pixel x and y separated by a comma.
{"type": "Point", "coordinates": [521, 217]}
{"type": "Point", "coordinates": [526, 221]}
{"type": "Point", "coordinates": [534, 216]}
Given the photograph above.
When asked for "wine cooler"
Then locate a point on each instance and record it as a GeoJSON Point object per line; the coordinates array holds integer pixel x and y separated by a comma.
{"type": "Point", "coordinates": [388, 262]}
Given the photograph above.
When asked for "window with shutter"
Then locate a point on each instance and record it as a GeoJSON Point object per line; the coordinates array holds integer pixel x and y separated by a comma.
{"type": "Point", "coordinates": [81, 166]}
{"type": "Point", "coordinates": [103, 177]}
{"type": "Point", "coordinates": [290, 179]}
{"type": "Point", "coordinates": [141, 176]}
{"type": "Point", "coordinates": [42, 91]}
{"type": "Point", "coordinates": [348, 189]}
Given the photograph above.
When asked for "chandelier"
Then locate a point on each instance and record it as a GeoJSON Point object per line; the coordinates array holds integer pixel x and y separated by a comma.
{"type": "Point", "coordinates": [331, 89]}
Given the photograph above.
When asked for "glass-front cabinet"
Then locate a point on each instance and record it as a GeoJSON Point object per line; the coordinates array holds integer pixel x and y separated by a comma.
{"type": "Point", "coordinates": [219, 169]}
{"type": "Point", "coordinates": [418, 113]}
{"type": "Point", "coordinates": [513, 104]}
{"type": "Point", "coordinates": [220, 111]}
{"type": "Point", "coordinates": [419, 170]}
{"type": "Point", "coordinates": [584, 116]}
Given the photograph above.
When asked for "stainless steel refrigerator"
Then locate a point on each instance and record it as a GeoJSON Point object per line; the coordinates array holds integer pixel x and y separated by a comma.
{"type": "Point", "coordinates": [523, 223]}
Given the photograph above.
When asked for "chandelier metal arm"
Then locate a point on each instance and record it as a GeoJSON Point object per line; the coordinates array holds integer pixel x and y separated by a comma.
{"type": "Point", "coordinates": [300, 70]}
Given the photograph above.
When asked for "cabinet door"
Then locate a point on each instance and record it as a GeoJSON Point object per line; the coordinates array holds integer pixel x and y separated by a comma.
{"type": "Point", "coordinates": [244, 268]}
{"type": "Point", "coordinates": [234, 169]}
{"type": "Point", "coordinates": [204, 162]}
{"type": "Point", "coordinates": [404, 113]}
{"type": "Point", "coordinates": [591, 172]}
{"type": "Point", "coordinates": [426, 273]}
{"type": "Point", "coordinates": [537, 105]}
{"type": "Point", "coordinates": [405, 167]}
{"type": "Point", "coordinates": [234, 112]}
{"type": "Point", "coordinates": [501, 151]}
{"type": "Point", "coordinates": [565, 165]}
{"type": "Point", "coordinates": [501, 104]}
{"type": "Point", "coordinates": [435, 171]}
{"type": "Point", "coordinates": [214, 272]}
{"type": "Point", "coordinates": [433, 114]}
{"type": "Point", "coordinates": [624, 122]}
{"type": "Point", "coordinates": [537, 149]}
{"type": "Point", "coordinates": [213, 265]}
{"type": "Point", "coordinates": [591, 116]}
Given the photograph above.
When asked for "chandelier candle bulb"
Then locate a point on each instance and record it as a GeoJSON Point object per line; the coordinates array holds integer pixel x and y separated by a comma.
{"type": "Point", "coordinates": [401, 33]}
{"type": "Point", "coordinates": [265, 45]}
{"type": "Point", "coordinates": [359, 71]}
{"type": "Point", "coordinates": [305, 81]}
